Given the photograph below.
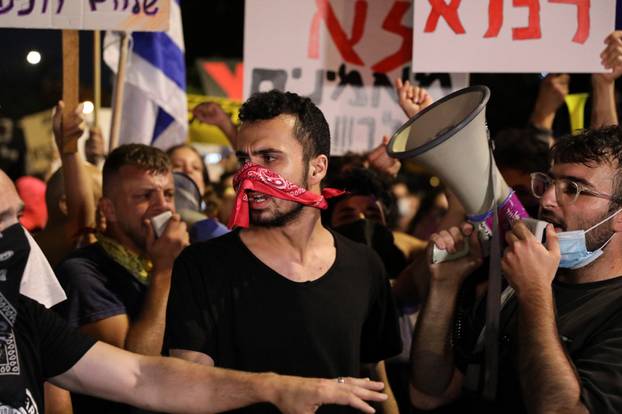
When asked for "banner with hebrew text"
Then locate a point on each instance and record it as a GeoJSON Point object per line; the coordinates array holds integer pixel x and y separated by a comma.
{"type": "Point", "coordinates": [344, 55]}
{"type": "Point", "coordinates": [121, 15]}
{"type": "Point", "coordinates": [558, 36]}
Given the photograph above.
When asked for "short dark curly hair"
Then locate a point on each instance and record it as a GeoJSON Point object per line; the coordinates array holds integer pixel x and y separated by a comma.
{"type": "Point", "coordinates": [591, 147]}
{"type": "Point", "coordinates": [364, 182]}
{"type": "Point", "coordinates": [145, 157]}
{"type": "Point", "coordinates": [311, 128]}
{"type": "Point", "coordinates": [521, 149]}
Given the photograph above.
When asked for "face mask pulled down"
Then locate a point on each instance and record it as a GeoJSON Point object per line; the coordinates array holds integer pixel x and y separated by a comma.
{"type": "Point", "coordinates": [573, 247]}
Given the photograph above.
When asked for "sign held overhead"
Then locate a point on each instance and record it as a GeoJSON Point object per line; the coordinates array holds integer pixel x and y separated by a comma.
{"type": "Point", "coordinates": [121, 15]}
{"type": "Point", "coordinates": [559, 36]}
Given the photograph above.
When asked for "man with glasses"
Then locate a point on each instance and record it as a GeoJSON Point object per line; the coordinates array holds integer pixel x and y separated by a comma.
{"type": "Point", "coordinates": [560, 342]}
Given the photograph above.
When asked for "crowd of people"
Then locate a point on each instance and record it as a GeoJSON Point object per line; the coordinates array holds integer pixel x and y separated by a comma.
{"type": "Point", "coordinates": [300, 282]}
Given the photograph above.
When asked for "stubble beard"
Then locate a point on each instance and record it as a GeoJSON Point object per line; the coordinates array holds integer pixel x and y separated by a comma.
{"type": "Point", "coordinates": [138, 238]}
{"type": "Point", "coordinates": [281, 219]}
{"type": "Point", "coordinates": [598, 236]}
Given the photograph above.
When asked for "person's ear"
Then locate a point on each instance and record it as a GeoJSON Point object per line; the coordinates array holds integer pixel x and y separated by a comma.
{"type": "Point", "coordinates": [107, 209]}
{"type": "Point", "coordinates": [62, 205]}
{"type": "Point", "coordinates": [318, 168]}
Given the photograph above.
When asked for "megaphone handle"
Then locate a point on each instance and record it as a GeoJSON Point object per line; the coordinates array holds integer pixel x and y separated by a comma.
{"type": "Point", "coordinates": [439, 255]}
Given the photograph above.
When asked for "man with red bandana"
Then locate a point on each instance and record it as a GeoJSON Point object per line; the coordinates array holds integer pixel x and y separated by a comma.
{"type": "Point", "coordinates": [281, 292]}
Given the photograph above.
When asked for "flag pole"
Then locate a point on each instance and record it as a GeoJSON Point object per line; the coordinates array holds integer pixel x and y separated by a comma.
{"type": "Point", "coordinates": [117, 109]}
{"type": "Point", "coordinates": [96, 77]}
{"type": "Point", "coordinates": [71, 80]}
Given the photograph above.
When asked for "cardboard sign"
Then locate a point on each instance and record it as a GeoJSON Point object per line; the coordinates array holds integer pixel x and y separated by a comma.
{"type": "Point", "coordinates": [122, 15]}
{"type": "Point", "coordinates": [344, 55]}
{"type": "Point", "coordinates": [560, 36]}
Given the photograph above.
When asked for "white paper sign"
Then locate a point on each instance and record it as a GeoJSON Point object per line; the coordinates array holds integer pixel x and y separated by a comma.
{"type": "Point", "coordinates": [560, 36]}
{"type": "Point", "coordinates": [122, 15]}
{"type": "Point", "coordinates": [344, 55]}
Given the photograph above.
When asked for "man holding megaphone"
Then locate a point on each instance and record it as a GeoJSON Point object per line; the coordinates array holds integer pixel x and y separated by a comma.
{"type": "Point", "coordinates": [560, 338]}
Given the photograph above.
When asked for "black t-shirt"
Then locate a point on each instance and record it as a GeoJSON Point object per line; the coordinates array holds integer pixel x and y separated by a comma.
{"type": "Point", "coordinates": [589, 323]}
{"type": "Point", "coordinates": [226, 303]}
{"type": "Point", "coordinates": [46, 346]}
{"type": "Point", "coordinates": [97, 287]}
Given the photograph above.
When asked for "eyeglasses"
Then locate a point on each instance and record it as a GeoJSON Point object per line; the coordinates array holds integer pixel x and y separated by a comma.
{"type": "Point", "coordinates": [566, 191]}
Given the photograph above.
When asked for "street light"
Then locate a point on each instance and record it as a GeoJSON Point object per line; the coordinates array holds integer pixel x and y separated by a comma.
{"type": "Point", "coordinates": [87, 107]}
{"type": "Point", "coordinates": [33, 57]}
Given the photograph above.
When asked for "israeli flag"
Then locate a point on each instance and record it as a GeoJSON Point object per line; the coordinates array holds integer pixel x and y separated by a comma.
{"type": "Point", "coordinates": [155, 109]}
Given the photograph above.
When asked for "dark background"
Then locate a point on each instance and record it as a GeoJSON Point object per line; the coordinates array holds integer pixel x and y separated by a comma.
{"type": "Point", "coordinates": [212, 28]}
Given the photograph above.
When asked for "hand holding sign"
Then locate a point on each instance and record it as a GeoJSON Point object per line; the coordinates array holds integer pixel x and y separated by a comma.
{"type": "Point", "coordinates": [68, 128]}
{"type": "Point", "coordinates": [611, 57]}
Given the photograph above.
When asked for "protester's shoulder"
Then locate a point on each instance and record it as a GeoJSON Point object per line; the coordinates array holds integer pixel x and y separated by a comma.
{"type": "Point", "coordinates": [92, 254]}
{"type": "Point", "coordinates": [213, 248]}
{"type": "Point", "coordinates": [28, 307]}
{"type": "Point", "coordinates": [89, 262]}
{"type": "Point", "coordinates": [32, 313]}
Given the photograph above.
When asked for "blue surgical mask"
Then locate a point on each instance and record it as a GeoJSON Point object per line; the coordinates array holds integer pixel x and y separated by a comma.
{"type": "Point", "coordinates": [573, 249]}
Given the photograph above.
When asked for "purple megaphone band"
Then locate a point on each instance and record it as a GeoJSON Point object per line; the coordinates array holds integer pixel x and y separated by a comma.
{"type": "Point", "coordinates": [510, 211]}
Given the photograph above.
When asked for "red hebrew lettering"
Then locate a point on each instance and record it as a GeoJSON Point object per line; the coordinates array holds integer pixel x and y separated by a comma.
{"type": "Point", "coordinates": [230, 83]}
{"type": "Point", "coordinates": [583, 18]}
{"type": "Point", "coordinates": [495, 18]}
{"type": "Point", "coordinates": [449, 13]}
{"type": "Point", "coordinates": [393, 24]}
{"type": "Point", "coordinates": [344, 45]}
{"type": "Point", "coordinates": [533, 30]}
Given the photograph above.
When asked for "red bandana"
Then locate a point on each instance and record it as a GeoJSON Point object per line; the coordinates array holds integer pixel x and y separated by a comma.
{"type": "Point", "coordinates": [253, 177]}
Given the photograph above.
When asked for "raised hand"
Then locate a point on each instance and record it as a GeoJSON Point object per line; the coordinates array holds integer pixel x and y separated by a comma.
{"type": "Point", "coordinates": [67, 128]}
{"type": "Point", "coordinates": [380, 160]}
{"type": "Point", "coordinates": [412, 98]}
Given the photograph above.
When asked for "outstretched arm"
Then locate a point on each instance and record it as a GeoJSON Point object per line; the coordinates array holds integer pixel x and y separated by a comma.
{"type": "Point", "coordinates": [176, 386]}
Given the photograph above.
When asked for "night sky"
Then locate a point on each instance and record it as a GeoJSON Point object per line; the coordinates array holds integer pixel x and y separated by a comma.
{"type": "Point", "coordinates": [212, 28]}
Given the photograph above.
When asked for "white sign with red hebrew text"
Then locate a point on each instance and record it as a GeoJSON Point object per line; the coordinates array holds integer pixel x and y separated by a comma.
{"type": "Point", "coordinates": [559, 36]}
{"type": "Point", "coordinates": [344, 55]}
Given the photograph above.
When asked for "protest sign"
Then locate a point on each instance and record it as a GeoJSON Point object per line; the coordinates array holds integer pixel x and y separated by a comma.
{"type": "Point", "coordinates": [121, 15]}
{"type": "Point", "coordinates": [344, 55]}
{"type": "Point", "coordinates": [559, 36]}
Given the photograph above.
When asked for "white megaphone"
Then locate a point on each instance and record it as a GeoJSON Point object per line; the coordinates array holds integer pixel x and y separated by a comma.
{"type": "Point", "coordinates": [450, 138]}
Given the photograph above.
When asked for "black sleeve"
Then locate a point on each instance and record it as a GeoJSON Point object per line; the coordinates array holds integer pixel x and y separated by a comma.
{"type": "Point", "coordinates": [381, 337]}
{"type": "Point", "coordinates": [188, 319]}
{"type": "Point", "coordinates": [599, 367]}
{"type": "Point", "coordinates": [60, 346]}
{"type": "Point", "coordinates": [88, 298]}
